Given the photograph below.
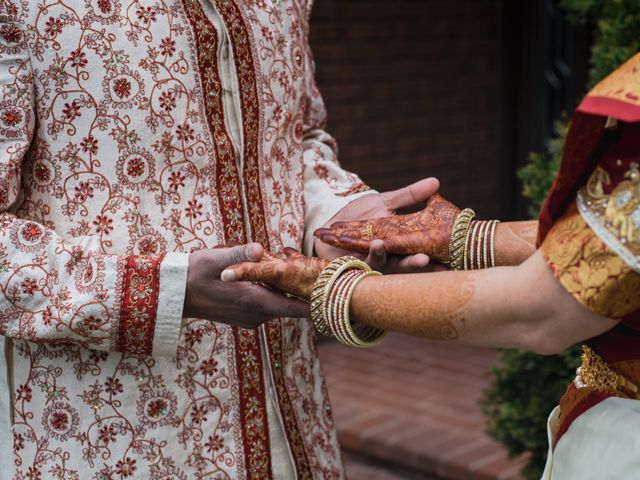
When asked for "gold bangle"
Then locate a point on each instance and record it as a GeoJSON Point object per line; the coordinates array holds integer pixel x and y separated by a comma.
{"type": "Point", "coordinates": [480, 245]}
{"type": "Point", "coordinates": [335, 317]}
{"type": "Point", "coordinates": [335, 301]}
{"type": "Point", "coordinates": [492, 246]}
{"type": "Point", "coordinates": [459, 237]}
{"type": "Point", "coordinates": [482, 236]}
{"type": "Point", "coordinates": [317, 300]}
{"type": "Point", "coordinates": [373, 337]}
{"type": "Point", "coordinates": [472, 235]}
{"type": "Point", "coordinates": [338, 302]}
{"type": "Point", "coordinates": [323, 285]}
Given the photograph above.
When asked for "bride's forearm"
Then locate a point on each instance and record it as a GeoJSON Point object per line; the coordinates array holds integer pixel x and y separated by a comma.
{"type": "Point", "coordinates": [515, 242]}
{"type": "Point", "coordinates": [521, 307]}
{"type": "Point", "coordinates": [433, 305]}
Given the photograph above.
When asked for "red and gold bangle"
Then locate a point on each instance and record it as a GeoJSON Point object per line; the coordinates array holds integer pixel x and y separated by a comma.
{"type": "Point", "coordinates": [473, 240]}
{"type": "Point", "coordinates": [330, 303]}
{"type": "Point", "coordinates": [373, 336]}
{"type": "Point", "coordinates": [336, 295]}
{"type": "Point", "coordinates": [324, 284]}
{"type": "Point", "coordinates": [479, 249]}
{"type": "Point", "coordinates": [482, 237]}
{"type": "Point", "coordinates": [355, 335]}
{"type": "Point", "coordinates": [492, 244]}
{"type": "Point", "coordinates": [334, 314]}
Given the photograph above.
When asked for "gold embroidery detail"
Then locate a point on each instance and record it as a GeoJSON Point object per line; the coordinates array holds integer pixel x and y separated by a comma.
{"type": "Point", "coordinates": [595, 373]}
{"type": "Point", "coordinates": [615, 217]}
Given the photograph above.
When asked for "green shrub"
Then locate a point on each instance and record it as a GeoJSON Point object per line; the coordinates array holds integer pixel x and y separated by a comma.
{"type": "Point", "coordinates": [618, 31]}
{"type": "Point", "coordinates": [526, 386]}
{"type": "Point", "coordinates": [525, 389]}
{"type": "Point", "coordinates": [537, 176]}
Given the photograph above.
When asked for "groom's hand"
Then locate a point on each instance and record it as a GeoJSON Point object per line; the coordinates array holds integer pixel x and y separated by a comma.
{"type": "Point", "coordinates": [242, 304]}
{"type": "Point", "coordinates": [383, 205]}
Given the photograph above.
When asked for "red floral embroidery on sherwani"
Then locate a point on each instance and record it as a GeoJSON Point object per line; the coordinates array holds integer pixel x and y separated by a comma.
{"type": "Point", "coordinates": [252, 401]}
{"type": "Point", "coordinates": [133, 132]}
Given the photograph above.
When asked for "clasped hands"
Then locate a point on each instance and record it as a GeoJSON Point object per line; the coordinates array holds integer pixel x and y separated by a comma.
{"type": "Point", "coordinates": [426, 232]}
{"type": "Point", "coordinates": [242, 285]}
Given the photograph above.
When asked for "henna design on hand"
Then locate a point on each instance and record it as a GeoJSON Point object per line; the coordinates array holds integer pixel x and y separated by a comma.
{"type": "Point", "coordinates": [289, 272]}
{"type": "Point", "coordinates": [427, 231]}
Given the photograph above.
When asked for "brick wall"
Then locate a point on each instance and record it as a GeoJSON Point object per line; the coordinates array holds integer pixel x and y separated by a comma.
{"type": "Point", "coordinates": [415, 88]}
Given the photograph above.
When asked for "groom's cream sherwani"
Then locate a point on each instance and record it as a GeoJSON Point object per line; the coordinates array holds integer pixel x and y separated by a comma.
{"type": "Point", "coordinates": [131, 133]}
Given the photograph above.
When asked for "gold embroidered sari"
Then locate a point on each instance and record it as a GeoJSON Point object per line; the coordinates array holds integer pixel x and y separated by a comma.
{"type": "Point", "coordinates": [590, 236]}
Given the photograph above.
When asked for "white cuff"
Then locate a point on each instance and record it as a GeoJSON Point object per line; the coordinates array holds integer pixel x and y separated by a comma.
{"type": "Point", "coordinates": [173, 285]}
{"type": "Point", "coordinates": [319, 214]}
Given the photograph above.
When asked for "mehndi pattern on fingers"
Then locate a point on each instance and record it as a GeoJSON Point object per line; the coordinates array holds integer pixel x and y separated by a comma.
{"type": "Point", "coordinates": [427, 231]}
{"type": "Point", "coordinates": [289, 272]}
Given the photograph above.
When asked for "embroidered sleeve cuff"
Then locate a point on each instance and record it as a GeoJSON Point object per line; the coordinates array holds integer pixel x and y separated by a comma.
{"type": "Point", "coordinates": [173, 283]}
{"type": "Point", "coordinates": [139, 304]}
{"type": "Point", "coordinates": [321, 212]}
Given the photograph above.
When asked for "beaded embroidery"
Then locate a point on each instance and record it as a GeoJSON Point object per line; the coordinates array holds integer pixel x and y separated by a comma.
{"type": "Point", "coordinates": [614, 217]}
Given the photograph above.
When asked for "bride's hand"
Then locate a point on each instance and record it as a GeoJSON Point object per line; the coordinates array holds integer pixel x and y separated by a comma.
{"type": "Point", "coordinates": [290, 272]}
{"type": "Point", "coordinates": [427, 231]}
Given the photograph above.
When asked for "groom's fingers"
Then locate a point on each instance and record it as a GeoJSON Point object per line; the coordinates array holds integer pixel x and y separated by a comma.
{"type": "Point", "coordinates": [377, 257]}
{"type": "Point", "coordinates": [380, 259]}
{"type": "Point", "coordinates": [412, 263]}
{"type": "Point", "coordinates": [404, 264]}
{"type": "Point", "coordinates": [223, 257]}
{"type": "Point", "coordinates": [243, 272]}
{"type": "Point", "coordinates": [410, 195]}
{"type": "Point", "coordinates": [277, 305]}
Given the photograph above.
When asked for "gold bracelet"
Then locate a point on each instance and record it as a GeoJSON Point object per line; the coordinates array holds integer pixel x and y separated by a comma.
{"type": "Point", "coordinates": [335, 301]}
{"type": "Point", "coordinates": [317, 304]}
{"type": "Point", "coordinates": [492, 246]}
{"type": "Point", "coordinates": [472, 235]}
{"type": "Point", "coordinates": [323, 285]}
{"type": "Point", "coordinates": [338, 302]}
{"type": "Point", "coordinates": [374, 336]}
{"type": "Point", "coordinates": [479, 251]}
{"type": "Point", "coordinates": [459, 237]}
{"type": "Point", "coordinates": [482, 235]}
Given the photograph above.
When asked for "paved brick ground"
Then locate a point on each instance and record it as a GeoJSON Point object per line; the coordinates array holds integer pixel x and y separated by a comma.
{"type": "Point", "coordinates": [364, 468]}
{"type": "Point", "coordinates": [412, 405]}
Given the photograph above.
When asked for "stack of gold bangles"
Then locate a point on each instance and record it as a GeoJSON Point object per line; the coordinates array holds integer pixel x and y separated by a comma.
{"type": "Point", "coordinates": [472, 244]}
{"type": "Point", "coordinates": [331, 299]}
